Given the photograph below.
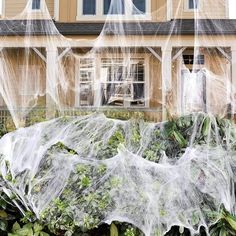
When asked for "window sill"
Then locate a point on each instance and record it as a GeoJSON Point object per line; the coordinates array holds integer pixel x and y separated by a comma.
{"type": "Point", "coordinates": [146, 17]}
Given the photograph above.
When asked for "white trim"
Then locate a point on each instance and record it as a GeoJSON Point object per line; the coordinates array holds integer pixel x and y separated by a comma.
{"type": "Point", "coordinates": [155, 53]}
{"type": "Point", "coordinates": [169, 10]}
{"type": "Point", "coordinates": [56, 9]}
{"type": "Point", "coordinates": [147, 81]}
{"type": "Point", "coordinates": [227, 9]}
{"type": "Point", "coordinates": [78, 81]}
{"type": "Point", "coordinates": [97, 80]}
{"type": "Point", "coordinates": [40, 54]}
{"type": "Point", "coordinates": [37, 9]}
{"type": "Point", "coordinates": [2, 14]}
{"type": "Point", "coordinates": [100, 16]}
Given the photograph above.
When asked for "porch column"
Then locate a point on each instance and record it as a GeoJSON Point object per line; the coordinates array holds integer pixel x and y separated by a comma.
{"type": "Point", "coordinates": [51, 81]}
{"type": "Point", "coordinates": [233, 79]}
{"type": "Point", "coordinates": [166, 78]}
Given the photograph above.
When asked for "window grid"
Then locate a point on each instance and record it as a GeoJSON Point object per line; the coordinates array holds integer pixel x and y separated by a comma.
{"type": "Point", "coordinates": [120, 7]}
{"type": "Point", "coordinates": [124, 84]}
{"type": "Point", "coordinates": [86, 81]}
{"type": "Point", "coordinates": [190, 60]}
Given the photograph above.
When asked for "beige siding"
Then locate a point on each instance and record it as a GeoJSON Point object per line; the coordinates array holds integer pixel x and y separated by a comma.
{"type": "Point", "coordinates": [50, 6]}
{"type": "Point", "coordinates": [214, 9]}
{"type": "Point", "coordinates": [155, 86]}
{"type": "Point", "coordinates": [161, 10]}
{"type": "Point", "coordinates": [68, 10]}
{"type": "Point", "coordinates": [15, 7]}
{"type": "Point", "coordinates": [15, 58]}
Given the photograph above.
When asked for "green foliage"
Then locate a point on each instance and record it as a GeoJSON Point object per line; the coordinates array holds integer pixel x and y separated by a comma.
{"type": "Point", "coordinates": [29, 229]}
{"type": "Point", "coordinates": [171, 138]}
{"type": "Point", "coordinates": [226, 225]}
{"type": "Point", "coordinates": [113, 230]}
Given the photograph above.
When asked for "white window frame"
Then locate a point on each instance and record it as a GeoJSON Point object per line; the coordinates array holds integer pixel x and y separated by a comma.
{"type": "Point", "coordinates": [38, 9]}
{"type": "Point", "coordinates": [187, 9]}
{"type": "Point", "coordinates": [146, 81]}
{"type": "Point", "coordinates": [2, 7]}
{"type": "Point", "coordinates": [79, 82]}
{"type": "Point", "coordinates": [101, 16]}
{"type": "Point", "coordinates": [97, 80]}
{"type": "Point", "coordinates": [56, 9]}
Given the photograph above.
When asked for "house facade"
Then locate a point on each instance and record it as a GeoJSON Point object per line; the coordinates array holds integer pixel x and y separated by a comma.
{"type": "Point", "coordinates": [155, 56]}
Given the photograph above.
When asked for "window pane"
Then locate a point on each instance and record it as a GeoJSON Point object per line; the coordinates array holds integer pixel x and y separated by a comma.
{"type": "Point", "coordinates": [139, 6]}
{"type": "Point", "coordinates": [193, 4]}
{"type": "Point", "coordinates": [89, 7]}
{"type": "Point", "coordinates": [117, 7]}
{"type": "Point", "coordinates": [123, 84]}
{"type": "Point", "coordinates": [36, 4]}
{"type": "Point", "coordinates": [86, 80]}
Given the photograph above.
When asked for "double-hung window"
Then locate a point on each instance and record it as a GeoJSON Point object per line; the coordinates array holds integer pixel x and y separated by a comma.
{"type": "Point", "coordinates": [123, 83]}
{"type": "Point", "coordinates": [86, 82]}
{"type": "Point", "coordinates": [36, 4]}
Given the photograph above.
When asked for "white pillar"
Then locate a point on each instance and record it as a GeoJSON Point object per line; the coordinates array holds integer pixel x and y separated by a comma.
{"type": "Point", "coordinates": [51, 81]}
{"type": "Point", "coordinates": [166, 78]}
{"type": "Point", "coordinates": [233, 79]}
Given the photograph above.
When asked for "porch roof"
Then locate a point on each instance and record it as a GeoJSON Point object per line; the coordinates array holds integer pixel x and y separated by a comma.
{"type": "Point", "coordinates": [174, 27]}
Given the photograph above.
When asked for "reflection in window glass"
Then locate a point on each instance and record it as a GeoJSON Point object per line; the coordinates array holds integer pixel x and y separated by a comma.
{"type": "Point", "coordinates": [139, 6]}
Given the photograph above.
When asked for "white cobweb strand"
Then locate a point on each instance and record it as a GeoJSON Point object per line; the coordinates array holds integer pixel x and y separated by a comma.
{"type": "Point", "coordinates": [151, 196]}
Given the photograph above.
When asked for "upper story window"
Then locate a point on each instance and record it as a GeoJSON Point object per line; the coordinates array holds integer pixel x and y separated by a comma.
{"type": "Point", "coordinates": [193, 4]}
{"type": "Point", "coordinates": [116, 8]}
{"type": "Point", "coordinates": [89, 7]}
{"type": "Point", "coordinates": [36, 4]}
{"type": "Point", "coordinates": [100, 9]}
{"type": "Point", "coordinates": [139, 6]}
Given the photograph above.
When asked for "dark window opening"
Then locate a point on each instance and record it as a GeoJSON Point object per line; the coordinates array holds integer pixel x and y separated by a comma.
{"type": "Point", "coordinates": [89, 7]}
{"type": "Point", "coordinates": [139, 6]}
{"type": "Point", "coordinates": [190, 60]}
{"type": "Point", "coordinates": [116, 8]}
{"type": "Point", "coordinates": [36, 4]}
{"type": "Point", "coordinates": [193, 4]}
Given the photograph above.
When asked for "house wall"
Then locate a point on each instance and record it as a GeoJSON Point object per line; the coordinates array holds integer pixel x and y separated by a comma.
{"type": "Point", "coordinates": [214, 9]}
{"type": "Point", "coordinates": [68, 9]}
{"type": "Point", "coordinates": [13, 59]}
{"type": "Point", "coordinates": [15, 7]}
{"type": "Point", "coordinates": [218, 76]}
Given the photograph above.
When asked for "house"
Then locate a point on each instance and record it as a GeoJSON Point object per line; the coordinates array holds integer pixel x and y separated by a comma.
{"type": "Point", "coordinates": [146, 55]}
